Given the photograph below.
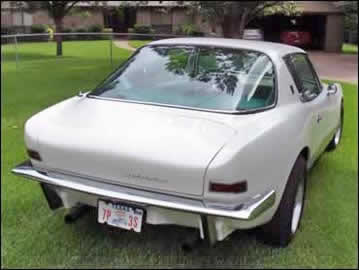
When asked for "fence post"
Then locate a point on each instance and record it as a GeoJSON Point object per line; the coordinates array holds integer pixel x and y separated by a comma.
{"type": "Point", "coordinates": [2, 71]}
{"type": "Point", "coordinates": [16, 53]}
{"type": "Point", "coordinates": [111, 41]}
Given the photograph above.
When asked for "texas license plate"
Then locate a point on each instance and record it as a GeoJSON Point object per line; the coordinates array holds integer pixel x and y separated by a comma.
{"type": "Point", "coordinates": [120, 215]}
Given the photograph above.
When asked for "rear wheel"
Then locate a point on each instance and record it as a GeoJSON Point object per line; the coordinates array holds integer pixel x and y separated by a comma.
{"type": "Point", "coordinates": [286, 221]}
{"type": "Point", "coordinates": [338, 134]}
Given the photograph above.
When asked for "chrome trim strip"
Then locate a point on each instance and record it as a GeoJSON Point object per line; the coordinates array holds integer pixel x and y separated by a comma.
{"type": "Point", "coordinates": [184, 107]}
{"type": "Point", "coordinates": [246, 211]}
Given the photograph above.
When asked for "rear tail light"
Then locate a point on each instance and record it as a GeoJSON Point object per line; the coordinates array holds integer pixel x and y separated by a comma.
{"type": "Point", "coordinates": [229, 188]}
{"type": "Point", "coordinates": [34, 154]}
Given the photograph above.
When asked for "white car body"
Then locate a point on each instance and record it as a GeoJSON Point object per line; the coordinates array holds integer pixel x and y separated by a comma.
{"type": "Point", "coordinates": [164, 158]}
{"type": "Point", "coordinates": [253, 34]}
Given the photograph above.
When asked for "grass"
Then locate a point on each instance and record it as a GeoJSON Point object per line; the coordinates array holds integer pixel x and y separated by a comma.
{"type": "Point", "coordinates": [34, 236]}
{"type": "Point", "coordinates": [138, 43]}
{"type": "Point", "coordinates": [350, 48]}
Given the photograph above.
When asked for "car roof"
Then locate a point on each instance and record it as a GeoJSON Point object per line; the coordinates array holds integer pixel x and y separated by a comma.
{"type": "Point", "coordinates": [274, 50]}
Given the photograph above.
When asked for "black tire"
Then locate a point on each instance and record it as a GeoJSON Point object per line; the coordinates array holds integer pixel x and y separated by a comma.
{"type": "Point", "coordinates": [279, 232]}
{"type": "Point", "coordinates": [335, 141]}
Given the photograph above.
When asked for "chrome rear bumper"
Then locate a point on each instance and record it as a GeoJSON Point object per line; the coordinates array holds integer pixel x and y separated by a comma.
{"type": "Point", "coordinates": [247, 210]}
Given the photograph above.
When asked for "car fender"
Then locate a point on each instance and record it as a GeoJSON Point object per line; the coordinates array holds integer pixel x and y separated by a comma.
{"type": "Point", "coordinates": [263, 155]}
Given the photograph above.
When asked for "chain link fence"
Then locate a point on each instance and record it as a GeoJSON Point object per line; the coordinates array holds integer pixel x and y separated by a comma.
{"type": "Point", "coordinates": [22, 53]}
{"type": "Point", "coordinates": [19, 40]}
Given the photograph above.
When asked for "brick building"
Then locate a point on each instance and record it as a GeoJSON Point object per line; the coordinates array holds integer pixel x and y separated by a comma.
{"type": "Point", "coordinates": [323, 19]}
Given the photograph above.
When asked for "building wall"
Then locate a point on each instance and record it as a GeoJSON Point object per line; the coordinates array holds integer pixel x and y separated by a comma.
{"type": "Point", "coordinates": [175, 17]}
{"type": "Point", "coordinates": [334, 30]}
{"type": "Point", "coordinates": [6, 18]}
{"type": "Point", "coordinates": [143, 16]}
{"type": "Point", "coordinates": [179, 17]}
{"type": "Point", "coordinates": [318, 6]}
{"type": "Point", "coordinates": [71, 21]}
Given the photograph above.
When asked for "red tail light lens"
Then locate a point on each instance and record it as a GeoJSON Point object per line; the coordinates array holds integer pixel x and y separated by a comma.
{"type": "Point", "coordinates": [34, 154]}
{"type": "Point", "coordinates": [231, 188]}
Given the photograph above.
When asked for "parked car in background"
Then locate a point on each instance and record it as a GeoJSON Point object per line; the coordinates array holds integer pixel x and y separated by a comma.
{"type": "Point", "coordinates": [210, 133]}
{"type": "Point", "coordinates": [253, 34]}
{"type": "Point", "coordinates": [296, 38]}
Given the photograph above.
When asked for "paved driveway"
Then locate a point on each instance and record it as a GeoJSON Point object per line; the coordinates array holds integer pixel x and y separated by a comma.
{"type": "Point", "coordinates": [336, 66]}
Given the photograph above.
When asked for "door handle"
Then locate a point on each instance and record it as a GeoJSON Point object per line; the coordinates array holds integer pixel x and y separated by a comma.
{"type": "Point", "coordinates": [319, 118]}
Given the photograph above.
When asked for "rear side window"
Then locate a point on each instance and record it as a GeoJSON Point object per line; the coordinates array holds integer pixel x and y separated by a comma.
{"type": "Point", "coordinates": [303, 73]}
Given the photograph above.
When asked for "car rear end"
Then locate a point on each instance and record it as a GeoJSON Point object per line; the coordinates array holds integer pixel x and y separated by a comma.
{"type": "Point", "coordinates": [143, 162]}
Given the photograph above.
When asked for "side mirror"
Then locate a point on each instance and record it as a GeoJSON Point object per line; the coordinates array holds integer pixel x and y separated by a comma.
{"type": "Point", "coordinates": [81, 94]}
{"type": "Point", "coordinates": [332, 89]}
{"type": "Point", "coordinates": [307, 95]}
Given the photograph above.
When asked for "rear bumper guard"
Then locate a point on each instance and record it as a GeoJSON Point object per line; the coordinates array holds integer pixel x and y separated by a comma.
{"type": "Point", "coordinates": [247, 210]}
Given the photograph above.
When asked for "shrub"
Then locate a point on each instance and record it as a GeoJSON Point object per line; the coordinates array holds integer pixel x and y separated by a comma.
{"type": "Point", "coordinates": [188, 29]}
{"type": "Point", "coordinates": [141, 29]}
{"type": "Point", "coordinates": [80, 30]}
{"type": "Point", "coordinates": [68, 37]}
{"type": "Point", "coordinates": [106, 30]}
{"type": "Point", "coordinates": [67, 30]}
{"type": "Point", "coordinates": [198, 34]}
{"type": "Point", "coordinates": [96, 28]}
{"type": "Point", "coordinates": [38, 28]}
{"type": "Point", "coordinates": [7, 30]}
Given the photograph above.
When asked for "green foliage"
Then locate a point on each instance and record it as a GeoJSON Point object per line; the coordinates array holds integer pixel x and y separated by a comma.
{"type": "Point", "coordinates": [107, 30]}
{"type": "Point", "coordinates": [96, 28]}
{"type": "Point", "coordinates": [287, 8]}
{"type": "Point", "coordinates": [234, 16]}
{"type": "Point", "coordinates": [38, 28]}
{"type": "Point", "coordinates": [120, 12]}
{"type": "Point", "coordinates": [350, 48]}
{"type": "Point", "coordinates": [67, 30]}
{"type": "Point", "coordinates": [188, 29]}
{"type": "Point", "coordinates": [80, 30]}
{"type": "Point", "coordinates": [141, 29]}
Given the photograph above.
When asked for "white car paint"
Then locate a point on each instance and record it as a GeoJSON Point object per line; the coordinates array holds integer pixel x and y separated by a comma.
{"type": "Point", "coordinates": [180, 151]}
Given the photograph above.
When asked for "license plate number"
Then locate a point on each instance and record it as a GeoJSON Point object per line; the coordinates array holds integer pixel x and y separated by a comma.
{"type": "Point", "coordinates": [120, 215]}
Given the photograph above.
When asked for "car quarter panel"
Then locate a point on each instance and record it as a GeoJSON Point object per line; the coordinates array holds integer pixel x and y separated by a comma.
{"type": "Point", "coordinates": [264, 150]}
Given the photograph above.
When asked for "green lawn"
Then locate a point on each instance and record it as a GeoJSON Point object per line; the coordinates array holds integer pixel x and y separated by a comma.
{"type": "Point", "coordinates": [34, 236]}
{"type": "Point", "coordinates": [350, 48]}
{"type": "Point", "coordinates": [138, 43]}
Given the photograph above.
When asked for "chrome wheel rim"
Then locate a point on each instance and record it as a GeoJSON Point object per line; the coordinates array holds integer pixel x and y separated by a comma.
{"type": "Point", "coordinates": [298, 206]}
{"type": "Point", "coordinates": [337, 135]}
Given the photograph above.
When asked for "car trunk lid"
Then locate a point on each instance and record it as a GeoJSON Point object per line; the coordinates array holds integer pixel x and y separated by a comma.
{"type": "Point", "coordinates": [143, 146]}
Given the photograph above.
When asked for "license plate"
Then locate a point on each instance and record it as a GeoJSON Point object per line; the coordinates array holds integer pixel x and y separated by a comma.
{"type": "Point", "coordinates": [120, 215]}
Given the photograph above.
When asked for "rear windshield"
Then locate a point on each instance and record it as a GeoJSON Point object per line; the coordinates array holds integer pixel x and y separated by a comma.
{"type": "Point", "coordinates": [197, 77]}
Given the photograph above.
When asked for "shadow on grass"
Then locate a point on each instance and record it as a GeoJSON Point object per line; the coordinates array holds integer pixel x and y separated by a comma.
{"type": "Point", "coordinates": [163, 242]}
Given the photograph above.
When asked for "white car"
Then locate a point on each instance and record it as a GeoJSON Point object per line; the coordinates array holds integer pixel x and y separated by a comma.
{"type": "Point", "coordinates": [211, 133]}
{"type": "Point", "coordinates": [253, 34]}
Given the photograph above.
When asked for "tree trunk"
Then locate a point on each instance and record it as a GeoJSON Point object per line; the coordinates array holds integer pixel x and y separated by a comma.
{"type": "Point", "coordinates": [59, 29]}
{"type": "Point", "coordinates": [242, 24]}
{"type": "Point", "coordinates": [227, 26]}
{"type": "Point", "coordinates": [233, 24]}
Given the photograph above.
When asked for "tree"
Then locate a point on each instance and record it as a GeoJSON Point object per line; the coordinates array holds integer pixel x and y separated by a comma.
{"type": "Point", "coordinates": [350, 9]}
{"type": "Point", "coordinates": [57, 10]}
{"type": "Point", "coordinates": [234, 16]}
